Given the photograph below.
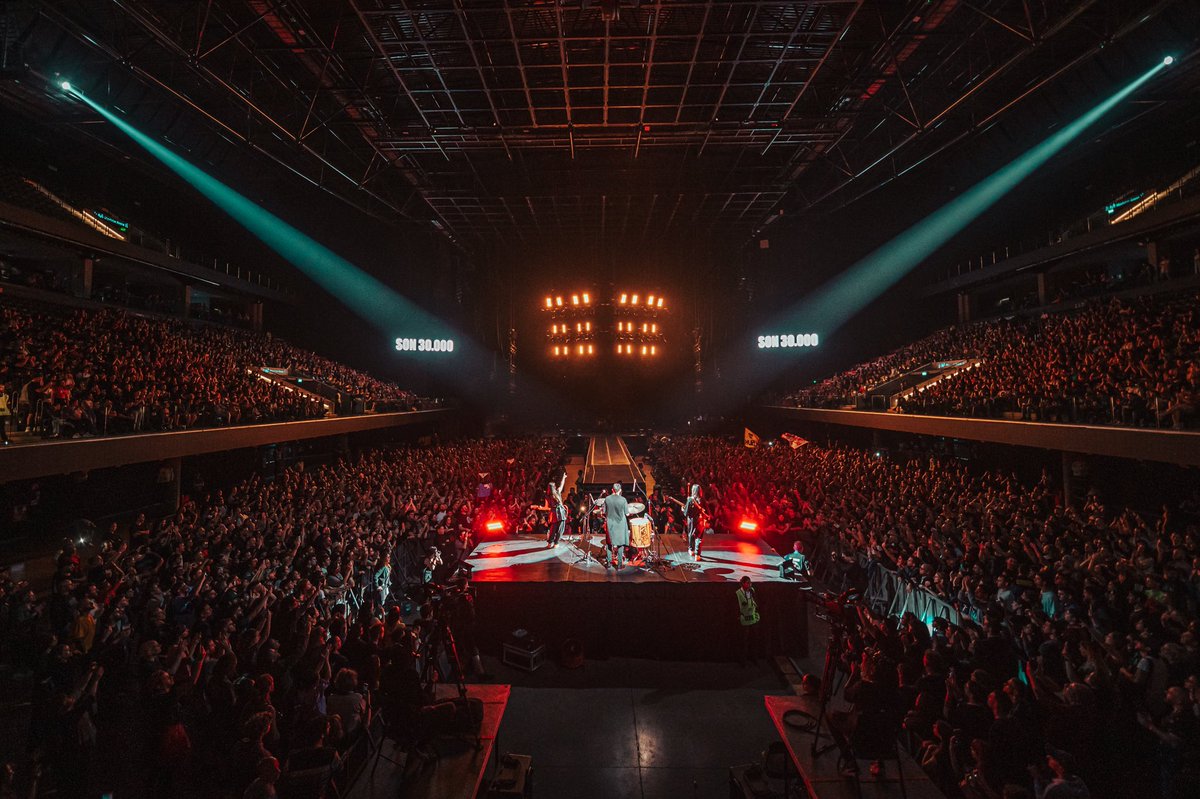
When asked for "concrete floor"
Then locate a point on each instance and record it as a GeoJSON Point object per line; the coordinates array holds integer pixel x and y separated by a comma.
{"type": "Point", "coordinates": [637, 729]}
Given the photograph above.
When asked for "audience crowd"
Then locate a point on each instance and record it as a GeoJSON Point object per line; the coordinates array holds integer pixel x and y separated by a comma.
{"type": "Point", "coordinates": [1134, 362]}
{"type": "Point", "coordinates": [241, 646]}
{"type": "Point", "coordinates": [98, 372]}
{"type": "Point", "coordinates": [1076, 634]}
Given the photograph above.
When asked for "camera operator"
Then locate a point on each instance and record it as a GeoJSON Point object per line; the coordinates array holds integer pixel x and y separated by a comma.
{"type": "Point", "coordinates": [459, 610]}
{"type": "Point", "coordinates": [871, 703]}
{"type": "Point", "coordinates": [795, 564]}
{"type": "Point", "coordinates": [446, 633]}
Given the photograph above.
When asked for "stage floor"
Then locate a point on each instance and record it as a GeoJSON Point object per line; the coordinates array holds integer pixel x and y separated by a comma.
{"type": "Point", "coordinates": [726, 559]}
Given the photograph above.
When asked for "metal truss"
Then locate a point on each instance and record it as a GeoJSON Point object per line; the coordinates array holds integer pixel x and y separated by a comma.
{"type": "Point", "coordinates": [502, 121]}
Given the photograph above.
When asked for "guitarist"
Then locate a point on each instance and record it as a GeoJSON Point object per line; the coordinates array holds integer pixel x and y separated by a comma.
{"type": "Point", "coordinates": [558, 511]}
{"type": "Point", "coordinates": [693, 520]}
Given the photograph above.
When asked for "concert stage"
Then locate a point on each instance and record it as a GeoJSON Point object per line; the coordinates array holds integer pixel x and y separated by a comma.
{"type": "Point", "coordinates": [727, 558]}
{"type": "Point", "coordinates": [679, 610]}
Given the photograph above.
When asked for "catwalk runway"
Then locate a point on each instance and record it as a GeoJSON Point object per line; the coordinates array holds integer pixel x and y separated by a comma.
{"type": "Point", "coordinates": [609, 461]}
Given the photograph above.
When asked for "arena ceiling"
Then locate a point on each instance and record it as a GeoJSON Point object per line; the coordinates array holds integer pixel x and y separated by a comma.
{"type": "Point", "coordinates": [500, 122]}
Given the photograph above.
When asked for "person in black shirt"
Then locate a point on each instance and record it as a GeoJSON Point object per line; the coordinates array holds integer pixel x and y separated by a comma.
{"type": "Point", "coordinates": [870, 708]}
{"type": "Point", "coordinates": [972, 716]}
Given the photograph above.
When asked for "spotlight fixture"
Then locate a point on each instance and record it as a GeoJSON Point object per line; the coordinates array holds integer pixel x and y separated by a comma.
{"type": "Point", "coordinates": [1168, 61]}
{"type": "Point", "coordinates": [66, 85]}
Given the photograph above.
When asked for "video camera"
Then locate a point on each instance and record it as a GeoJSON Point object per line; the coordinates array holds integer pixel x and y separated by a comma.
{"type": "Point", "coordinates": [839, 609]}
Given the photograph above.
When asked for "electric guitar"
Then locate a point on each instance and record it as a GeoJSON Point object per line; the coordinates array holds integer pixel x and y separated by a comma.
{"type": "Point", "coordinates": [703, 515]}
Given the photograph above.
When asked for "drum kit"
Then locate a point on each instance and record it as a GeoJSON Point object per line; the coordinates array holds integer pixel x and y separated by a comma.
{"type": "Point", "coordinates": [641, 535]}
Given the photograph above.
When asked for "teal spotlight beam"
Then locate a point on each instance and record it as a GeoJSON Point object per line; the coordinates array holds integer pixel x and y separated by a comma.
{"type": "Point", "coordinates": [369, 298]}
{"type": "Point", "coordinates": [841, 298]}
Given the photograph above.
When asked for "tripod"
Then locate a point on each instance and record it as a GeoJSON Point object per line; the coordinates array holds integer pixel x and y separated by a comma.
{"type": "Point", "coordinates": [837, 637]}
{"type": "Point", "coordinates": [441, 638]}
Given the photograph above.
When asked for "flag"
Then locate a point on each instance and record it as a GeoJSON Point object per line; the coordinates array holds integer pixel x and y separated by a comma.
{"type": "Point", "coordinates": [751, 439]}
{"type": "Point", "coordinates": [796, 441]}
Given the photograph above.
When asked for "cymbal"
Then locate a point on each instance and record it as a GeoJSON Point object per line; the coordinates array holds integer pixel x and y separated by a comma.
{"type": "Point", "coordinates": [636, 507]}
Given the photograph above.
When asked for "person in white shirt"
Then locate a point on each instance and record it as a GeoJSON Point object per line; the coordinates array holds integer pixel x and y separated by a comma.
{"type": "Point", "coordinates": [346, 701]}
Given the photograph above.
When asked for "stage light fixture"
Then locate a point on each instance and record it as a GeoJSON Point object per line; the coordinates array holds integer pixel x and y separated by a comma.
{"type": "Point", "coordinates": [66, 86]}
{"type": "Point", "coordinates": [650, 300]}
{"type": "Point", "coordinates": [587, 300]}
{"type": "Point", "coordinates": [645, 350]}
{"type": "Point", "coordinates": [634, 299]}
{"type": "Point", "coordinates": [578, 327]}
{"type": "Point", "coordinates": [748, 526]}
{"type": "Point", "coordinates": [556, 350]}
{"type": "Point", "coordinates": [558, 301]}
{"type": "Point", "coordinates": [574, 299]}
{"type": "Point", "coordinates": [549, 302]}
{"type": "Point", "coordinates": [1168, 61]}
{"type": "Point", "coordinates": [587, 326]}
{"type": "Point", "coordinates": [624, 298]}
{"type": "Point", "coordinates": [495, 526]}
{"type": "Point", "coordinates": [591, 350]}
{"type": "Point", "coordinates": [660, 302]}
{"type": "Point", "coordinates": [654, 328]}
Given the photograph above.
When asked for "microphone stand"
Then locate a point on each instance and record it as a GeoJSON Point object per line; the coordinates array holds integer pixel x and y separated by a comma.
{"type": "Point", "coordinates": [584, 521]}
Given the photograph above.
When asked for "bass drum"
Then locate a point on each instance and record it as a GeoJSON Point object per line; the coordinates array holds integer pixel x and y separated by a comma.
{"type": "Point", "coordinates": [639, 533]}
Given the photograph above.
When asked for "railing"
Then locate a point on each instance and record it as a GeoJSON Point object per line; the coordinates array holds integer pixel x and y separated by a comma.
{"type": "Point", "coordinates": [131, 234]}
{"type": "Point", "coordinates": [1109, 216]}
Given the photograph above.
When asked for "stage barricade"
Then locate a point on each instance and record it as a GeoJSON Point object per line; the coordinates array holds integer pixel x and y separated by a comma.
{"type": "Point", "coordinates": [886, 593]}
{"type": "Point", "coordinates": [889, 595]}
